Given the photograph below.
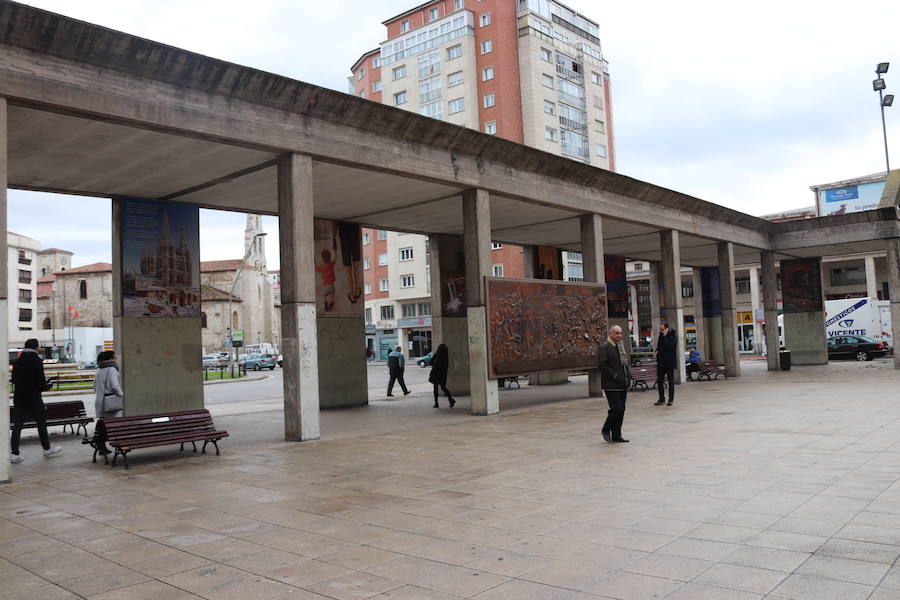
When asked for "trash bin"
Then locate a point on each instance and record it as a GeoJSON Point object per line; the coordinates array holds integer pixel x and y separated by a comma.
{"type": "Point", "coordinates": [784, 358]}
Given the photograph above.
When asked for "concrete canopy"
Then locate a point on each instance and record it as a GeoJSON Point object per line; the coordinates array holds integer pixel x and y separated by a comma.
{"type": "Point", "coordinates": [99, 112]}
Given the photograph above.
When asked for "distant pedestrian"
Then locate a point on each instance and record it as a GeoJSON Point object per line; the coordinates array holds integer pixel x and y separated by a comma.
{"type": "Point", "coordinates": [396, 364]}
{"type": "Point", "coordinates": [440, 363]}
{"type": "Point", "coordinates": [666, 362]}
{"type": "Point", "coordinates": [370, 356]}
{"type": "Point", "coordinates": [615, 379]}
{"type": "Point", "coordinates": [108, 396]}
{"type": "Point", "coordinates": [691, 364]}
{"type": "Point", "coordinates": [29, 381]}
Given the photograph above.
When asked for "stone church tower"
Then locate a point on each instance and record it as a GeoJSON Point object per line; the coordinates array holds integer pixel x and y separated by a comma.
{"type": "Point", "coordinates": [255, 247]}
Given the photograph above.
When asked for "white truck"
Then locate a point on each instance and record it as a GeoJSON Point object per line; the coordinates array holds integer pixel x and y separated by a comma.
{"type": "Point", "coordinates": [854, 316]}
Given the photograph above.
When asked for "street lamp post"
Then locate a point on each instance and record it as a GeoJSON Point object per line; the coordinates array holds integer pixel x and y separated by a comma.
{"type": "Point", "coordinates": [883, 100]}
{"type": "Point", "coordinates": [232, 352]}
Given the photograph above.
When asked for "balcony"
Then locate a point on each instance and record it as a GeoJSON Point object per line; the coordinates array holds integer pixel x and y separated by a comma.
{"type": "Point", "coordinates": [24, 279]}
{"type": "Point", "coordinates": [573, 100]}
{"type": "Point", "coordinates": [573, 76]}
{"type": "Point", "coordinates": [24, 261]}
{"type": "Point", "coordinates": [573, 125]}
{"type": "Point", "coordinates": [429, 96]}
{"type": "Point", "coordinates": [574, 150]}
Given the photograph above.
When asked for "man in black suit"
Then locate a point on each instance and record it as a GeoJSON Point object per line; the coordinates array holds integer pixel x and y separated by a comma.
{"type": "Point", "coordinates": [615, 379]}
{"type": "Point", "coordinates": [666, 362]}
{"type": "Point", "coordinates": [29, 381]}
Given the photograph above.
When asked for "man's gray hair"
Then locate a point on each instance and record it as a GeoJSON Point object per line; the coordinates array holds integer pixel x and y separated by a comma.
{"type": "Point", "coordinates": [614, 327]}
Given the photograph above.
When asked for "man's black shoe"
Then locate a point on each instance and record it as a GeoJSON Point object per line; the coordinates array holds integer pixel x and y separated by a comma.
{"type": "Point", "coordinates": [606, 436]}
{"type": "Point", "coordinates": [621, 440]}
{"type": "Point", "coordinates": [659, 403]}
{"type": "Point", "coordinates": [670, 403]}
{"type": "Point", "coordinates": [390, 394]}
{"type": "Point", "coordinates": [406, 392]}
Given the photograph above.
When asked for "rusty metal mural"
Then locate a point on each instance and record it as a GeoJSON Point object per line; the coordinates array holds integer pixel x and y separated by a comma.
{"type": "Point", "coordinates": [536, 325]}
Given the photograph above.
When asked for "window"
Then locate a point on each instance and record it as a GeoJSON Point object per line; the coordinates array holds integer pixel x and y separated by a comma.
{"type": "Point", "coordinates": [489, 100]}
{"type": "Point", "coordinates": [406, 253]}
{"type": "Point", "coordinates": [24, 276]}
{"type": "Point", "coordinates": [484, 19]}
{"type": "Point", "coordinates": [742, 285]}
{"type": "Point", "coordinates": [24, 314]}
{"type": "Point", "coordinates": [366, 238]}
{"type": "Point", "coordinates": [546, 55]}
{"type": "Point", "coordinates": [429, 64]}
{"type": "Point", "coordinates": [435, 110]}
{"type": "Point", "coordinates": [497, 270]}
{"type": "Point", "coordinates": [848, 276]}
{"type": "Point", "coordinates": [382, 234]}
{"type": "Point", "coordinates": [424, 309]}
{"type": "Point", "coordinates": [595, 78]}
{"type": "Point", "coordinates": [387, 312]}
{"type": "Point", "coordinates": [548, 80]}
{"type": "Point", "coordinates": [491, 127]}
{"type": "Point", "coordinates": [367, 287]}
{"type": "Point", "coordinates": [367, 263]}
{"type": "Point", "coordinates": [408, 310]}
{"type": "Point", "coordinates": [384, 285]}
{"type": "Point", "coordinates": [400, 98]}
{"type": "Point", "coordinates": [433, 13]}
{"type": "Point", "coordinates": [486, 46]}
{"type": "Point", "coordinates": [48, 325]}
{"type": "Point", "coordinates": [574, 272]}
{"type": "Point", "coordinates": [638, 266]}
{"type": "Point", "coordinates": [496, 245]}
{"type": "Point", "coordinates": [457, 4]}
{"type": "Point", "coordinates": [82, 289]}
{"type": "Point", "coordinates": [404, 25]}
{"type": "Point", "coordinates": [550, 134]}
{"type": "Point", "coordinates": [687, 289]}
{"type": "Point", "coordinates": [454, 52]}
{"type": "Point", "coordinates": [598, 103]}
{"type": "Point", "coordinates": [376, 87]}
{"type": "Point", "coordinates": [369, 310]}
{"type": "Point", "coordinates": [455, 106]}
{"type": "Point", "coordinates": [600, 125]}
{"type": "Point", "coordinates": [24, 295]}
{"type": "Point", "coordinates": [24, 258]}
{"type": "Point", "coordinates": [430, 89]}
{"type": "Point", "coordinates": [601, 150]}
{"type": "Point", "coordinates": [399, 72]}
{"type": "Point", "coordinates": [487, 73]}
{"type": "Point", "coordinates": [383, 260]}
{"type": "Point", "coordinates": [361, 73]}
{"type": "Point", "coordinates": [407, 281]}
{"type": "Point", "coordinates": [362, 93]}
{"type": "Point", "coordinates": [454, 79]}
{"type": "Point", "coordinates": [203, 322]}
{"type": "Point", "coordinates": [376, 62]}
{"type": "Point", "coordinates": [549, 107]}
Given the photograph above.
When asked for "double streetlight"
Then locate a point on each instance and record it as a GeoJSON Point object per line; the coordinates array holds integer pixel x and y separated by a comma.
{"type": "Point", "coordinates": [883, 100]}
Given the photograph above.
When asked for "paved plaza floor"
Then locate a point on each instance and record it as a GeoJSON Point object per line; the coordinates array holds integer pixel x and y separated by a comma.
{"type": "Point", "coordinates": [773, 485]}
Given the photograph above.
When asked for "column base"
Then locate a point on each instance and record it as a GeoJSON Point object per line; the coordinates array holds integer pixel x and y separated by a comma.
{"type": "Point", "coordinates": [482, 390]}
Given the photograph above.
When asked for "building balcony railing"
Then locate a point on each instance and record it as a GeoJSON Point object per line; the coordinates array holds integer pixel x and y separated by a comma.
{"type": "Point", "coordinates": [388, 58]}
{"type": "Point", "coordinates": [573, 125]}
{"type": "Point", "coordinates": [573, 100]}
{"type": "Point", "coordinates": [429, 96]}
{"type": "Point", "coordinates": [24, 279]}
{"type": "Point", "coordinates": [573, 76]}
{"type": "Point", "coordinates": [24, 261]}
{"type": "Point", "coordinates": [574, 150]}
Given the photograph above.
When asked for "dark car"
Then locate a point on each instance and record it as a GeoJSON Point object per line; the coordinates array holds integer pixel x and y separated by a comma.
{"type": "Point", "coordinates": [855, 346]}
{"type": "Point", "coordinates": [424, 361]}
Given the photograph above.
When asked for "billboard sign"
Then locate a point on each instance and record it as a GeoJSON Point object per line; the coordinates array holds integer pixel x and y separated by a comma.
{"type": "Point", "coordinates": [850, 198]}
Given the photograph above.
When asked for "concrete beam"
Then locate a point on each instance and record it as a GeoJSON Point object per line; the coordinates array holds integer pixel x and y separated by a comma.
{"type": "Point", "coordinates": [769, 281]}
{"type": "Point", "coordinates": [298, 299]}
{"type": "Point", "coordinates": [868, 225]}
{"type": "Point", "coordinates": [893, 269]}
{"type": "Point", "coordinates": [729, 314]}
{"type": "Point", "coordinates": [594, 271]}
{"type": "Point", "coordinates": [4, 296]}
{"type": "Point", "coordinates": [477, 241]}
{"type": "Point", "coordinates": [672, 308]}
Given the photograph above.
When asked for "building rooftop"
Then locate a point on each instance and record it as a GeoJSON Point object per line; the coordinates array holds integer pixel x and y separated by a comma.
{"type": "Point", "coordinates": [57, 250]}
{"type": "Point", "coordinates": [100, 267]}
{"type": "Point", "coordinates": [210, 293]}
{"type": "Point", "coordinates": [210, 266]}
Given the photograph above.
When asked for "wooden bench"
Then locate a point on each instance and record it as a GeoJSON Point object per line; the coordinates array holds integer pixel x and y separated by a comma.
{"type": "Point", "coordinates": [125, 434]}
{"type": "Point", "coordinates": [643, 376]}
{"type": "Point", "coordinates": [70, 413]}
{"type": "Point", "coordinates": [710, 369]}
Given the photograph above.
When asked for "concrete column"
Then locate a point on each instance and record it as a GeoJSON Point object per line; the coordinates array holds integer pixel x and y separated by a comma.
{"type": "Point", "coordinates": [117, 303]}
{"type": "Point", "coordinates": [804, 311]}
{"type": "Point", "coordinates": [298, 298]}
{"type": "Point", "coordinates": [655, 312]}
{"type": "Point", "coordinates": [528, 257]}
{"type": "Point", "coordinates": [770, 306]}
{"type": "Point", "coordinates": [893, 269]}
{"type": "Point", "coordinates": [755, 303]}
{"type": "Point", "coordinates": [477, 242]}
{"type": "Point", "coordinates": [595, 272]}
{"type": "Point", "coordinates": [699, 321]}
{"type": "Point", "coordinates": [448, 322]}
{"type": "Point", "coordinates": [4, 295]}
{"type": "Point", "coordinates": [729, 314]}
{"type": "Point", "coordinates": [871, 278]}
{"type": "Point", "coordinates": [635, 325]}
{"type": "Point", "coordinates": [672, 309]}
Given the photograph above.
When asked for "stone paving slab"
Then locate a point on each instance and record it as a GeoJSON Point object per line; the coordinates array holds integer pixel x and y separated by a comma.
{"type": "Point", "coordinates": [772, 485]}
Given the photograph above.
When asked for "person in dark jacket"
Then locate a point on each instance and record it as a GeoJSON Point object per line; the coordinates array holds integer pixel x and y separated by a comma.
{"type": "Point", "coordinates": [615, 379]}
{"type": "Point", "coordinates": [29, 381]}
{"type": "Point", "coordinates": [666, 362]}
{"type": "Point", "coordinates": [396, 364]}
{"type": "Point", "coordinates": [440, 363]}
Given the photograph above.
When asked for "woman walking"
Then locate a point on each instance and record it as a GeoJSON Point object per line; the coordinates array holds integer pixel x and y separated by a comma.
{"type": "Point", "coordinates": [109, 396]}
{"type": "Point", "coordinates": [440, 362]}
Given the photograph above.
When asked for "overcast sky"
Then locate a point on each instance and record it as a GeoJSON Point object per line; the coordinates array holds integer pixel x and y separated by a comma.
{"type": "Point", "coordinates": [745, 105]}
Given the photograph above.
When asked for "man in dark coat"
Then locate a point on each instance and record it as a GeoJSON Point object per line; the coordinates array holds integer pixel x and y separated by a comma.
{"type": "Point", "coordinates": [666, 362]}
{"type": "Point", "coordinates": [396, 365]}
{"type": "Point", "coordinates": [29, 381]}
{"type": "Point", "coordinates": [615, 380]}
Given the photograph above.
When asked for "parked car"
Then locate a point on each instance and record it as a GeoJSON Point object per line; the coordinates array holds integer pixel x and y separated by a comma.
{"type": "Point", "coordinates": [424, 361]}
{"type": "Point", "coordinates": [258, 362]}
{"type": "Point", "coordinates": [855, 346]}
{"type": "Point", "coordinates": [211, 360]}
